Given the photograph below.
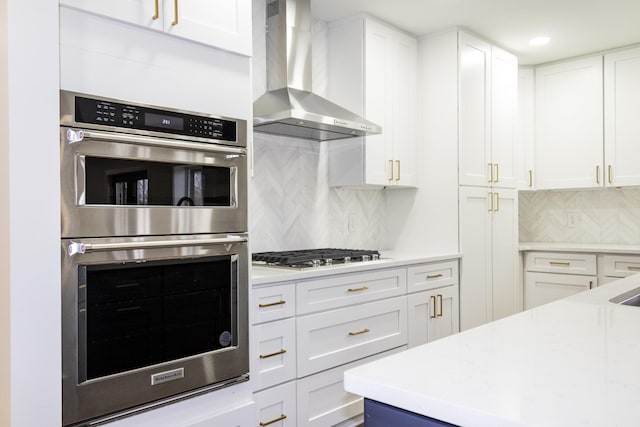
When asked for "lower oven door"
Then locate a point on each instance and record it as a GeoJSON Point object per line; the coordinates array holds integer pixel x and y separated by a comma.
{"type": "Point", "coordinates": [149, 320]}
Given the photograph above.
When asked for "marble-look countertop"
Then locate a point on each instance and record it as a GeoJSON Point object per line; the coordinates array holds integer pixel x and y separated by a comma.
{"type": "Point", "coordinates": [263, 275]}
{"type": "Point", "coordinates": [571, 363]}
{"type": "Point", "coordinates": [580, 247]}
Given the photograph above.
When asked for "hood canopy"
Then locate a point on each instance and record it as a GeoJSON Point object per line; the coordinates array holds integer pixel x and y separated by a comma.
{"type": "Point", "coordinates": [289, 107]}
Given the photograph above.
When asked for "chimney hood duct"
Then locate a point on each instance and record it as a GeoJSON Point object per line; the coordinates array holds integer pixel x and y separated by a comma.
{"type": "Point", "coordinates": [289, 107]}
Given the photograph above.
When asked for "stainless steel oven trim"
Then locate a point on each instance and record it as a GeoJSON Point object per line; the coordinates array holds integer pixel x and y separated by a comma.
{"type": "Point", "coordinates": [67, 118]}
{"type": "Point", "coordinates": [121, 392]}
{"type": "Point", "coordinates": [82, 220]}
{"type": "Point", "coordinates": [77, 135]}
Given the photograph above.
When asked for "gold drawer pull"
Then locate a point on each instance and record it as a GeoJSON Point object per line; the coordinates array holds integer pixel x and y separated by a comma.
{"type": "Point", "coordinates": [157, 14]}
{"type": "Point", "coordinates": [277, 353]}
{"type": "Point", "coordinates": [364, 331]}
{"type": "Point", "coordinates": [559, 264]}
{"type": "Point", "coordinates": [364, 288]}
{"type": "Point", "coordinates": [435, 276]}
{"type": "Point", "coordinates": [271, 304]}
{"type": "Point", "coordinates": [390, 170]}
{"type": "Point", "coordinates": [433, 304]}
{"type": "Point", "coordinates": [440, 299]}
{"type": "Point", "coordinates": [633, 268]}
{"type": "Point", "coordinates": [268, 423]}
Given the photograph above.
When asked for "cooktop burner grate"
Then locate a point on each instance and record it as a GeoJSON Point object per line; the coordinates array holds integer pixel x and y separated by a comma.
{"type": "Point", "coordinates": [314, 257]}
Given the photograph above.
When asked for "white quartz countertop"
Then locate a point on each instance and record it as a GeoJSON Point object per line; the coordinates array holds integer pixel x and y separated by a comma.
{"type": "Point", "coordinates": [573, 362]}
{"type": "Point", "coordinates": [263, 275]}
{"type": "Point", "coordinates": [580, 247]}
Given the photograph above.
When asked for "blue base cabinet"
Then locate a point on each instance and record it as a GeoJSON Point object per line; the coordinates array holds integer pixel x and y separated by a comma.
{"type": "Point", "coordinates": [378, 414]}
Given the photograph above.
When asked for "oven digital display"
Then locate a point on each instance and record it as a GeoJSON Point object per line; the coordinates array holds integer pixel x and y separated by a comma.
{"type": "Point", "coordinates": [163, 122]}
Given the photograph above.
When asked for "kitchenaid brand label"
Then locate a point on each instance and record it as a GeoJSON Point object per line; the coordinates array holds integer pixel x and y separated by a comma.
{"type": "Point", "coordinates": [225, 338]}
{"type": "Point", "coordinates": [163, 377]}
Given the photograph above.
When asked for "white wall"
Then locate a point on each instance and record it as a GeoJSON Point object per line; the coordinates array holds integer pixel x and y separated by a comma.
{"type": "Point", "coordinates": [5, 337]}
{"type": "Point", "coordinates": [426, 220]}
{"type": "Point", "coordinates": [30, 218]}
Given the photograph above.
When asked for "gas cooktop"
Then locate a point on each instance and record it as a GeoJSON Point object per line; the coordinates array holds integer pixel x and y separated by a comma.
{"type": "Point", "coordinates": [310, 258]}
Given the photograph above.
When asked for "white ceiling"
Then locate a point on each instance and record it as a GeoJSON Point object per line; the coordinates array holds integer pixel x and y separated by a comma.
{"type": "Point", "coordinates": [576, 27]}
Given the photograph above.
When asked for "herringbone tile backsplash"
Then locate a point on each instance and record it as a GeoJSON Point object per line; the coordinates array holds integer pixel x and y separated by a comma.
{"type": "Point", "coordinates": [293, 207]}
{"type": "Point", "coordinates": [610, 216]}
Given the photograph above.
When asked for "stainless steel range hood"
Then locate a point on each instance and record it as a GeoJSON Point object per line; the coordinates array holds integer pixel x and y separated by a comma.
{"type": "Point", "coordinates": [289, 107]}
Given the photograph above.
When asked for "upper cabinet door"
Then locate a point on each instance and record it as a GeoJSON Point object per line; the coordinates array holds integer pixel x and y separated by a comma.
{"type": "Point", "coordinates": [622, 117]}
{"type": "Point", "coordinates": [474, 110]}
{"type": "Point", "coordinates": [504, 93]}
{"type": "Point", "coordinates": [569, 125]}
{"type": "Point", "coordinates": [225, 24]}
{"type": "Point", "coordinates": [147, 13]}
{"type": "Point", "coordinates": [524, 138]}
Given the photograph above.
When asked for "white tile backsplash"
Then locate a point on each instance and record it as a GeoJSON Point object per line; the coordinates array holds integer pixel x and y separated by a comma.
{"type": "Point", "coordinates": [604, 216]}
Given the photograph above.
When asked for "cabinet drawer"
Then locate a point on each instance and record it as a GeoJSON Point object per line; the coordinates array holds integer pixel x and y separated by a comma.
{"type": "Point", "coordinates": [273, 302]}
{"type": "Point", "coordinates": [339, 336]}
{"type": "Point", "coordinates": [620, 265]}
{"type": "Point", "coordinates": [339, 291]}
{"type": "Point", "coordinates": [431, 276]}
{"type": "Point", "coordinates": [541, 288]}
{"type": "Point", "coordinates": [273, 353]}
{"type": "Point", "coordinates": [322, 399]}
{"type": "Point", "coordinates": [277, 406]}
{"type": "Point", "coordinates": [559, 262]}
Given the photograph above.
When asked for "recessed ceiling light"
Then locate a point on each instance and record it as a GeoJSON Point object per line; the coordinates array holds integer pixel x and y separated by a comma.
{"type": "Point", "coordinates": [539, 41]}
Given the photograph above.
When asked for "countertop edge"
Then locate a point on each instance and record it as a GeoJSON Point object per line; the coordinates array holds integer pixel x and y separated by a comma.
{"type": "Point", "coordinates": [265, 275]}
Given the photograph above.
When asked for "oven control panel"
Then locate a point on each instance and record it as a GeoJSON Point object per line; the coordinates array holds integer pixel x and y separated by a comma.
{"type": "Point", "coordinates": [129, 116]}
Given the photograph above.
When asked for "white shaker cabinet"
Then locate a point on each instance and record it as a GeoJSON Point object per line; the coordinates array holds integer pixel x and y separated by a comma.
{"type": "Point", "coordinates": [373, 72]}
{"type": "Point", "coordinates": [622, 117]}
{"type": "Point", "coordinates": [525, 133]}
{"type": "Point", "coordinates": [569, 127]}
{"type": "Point", "coordinates": [225, 24]}
{"type": "Point", "coordinates": [488, 103]}
{"type": "Point", "coordinates": [489, 283]}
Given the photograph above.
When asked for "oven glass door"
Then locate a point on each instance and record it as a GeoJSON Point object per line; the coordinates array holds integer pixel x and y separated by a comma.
{"type": "Point", "coordinates": [134, 315]}
{"type": "Point", "coordinates": [110, 181]}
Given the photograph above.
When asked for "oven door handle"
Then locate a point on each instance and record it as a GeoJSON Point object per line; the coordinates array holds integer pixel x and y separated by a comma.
{"type": "Point", "coordinates": [77, 135]}
{"type": "Point", "coordinates": [82, 248]}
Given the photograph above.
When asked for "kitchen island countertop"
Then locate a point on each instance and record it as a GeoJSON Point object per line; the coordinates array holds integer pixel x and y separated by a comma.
{"type": "Point", "coordinates": [573, 362]}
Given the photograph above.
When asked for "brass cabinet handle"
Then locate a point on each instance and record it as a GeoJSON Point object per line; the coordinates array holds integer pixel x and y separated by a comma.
{"type": "Point", "coordinates": [633, 268]}
{"type": "Point", "coordinates": [390, 170]}
{"type": "Point", "coordinates": [597, 174]}
{"type": "Point", "coordinates": [268, 423]}
{"type": "Point", "coordinates": [497, 172]}
{"type": "Point", "coordinates": [175, 12]}
{"type": "Point", "coordinates": [490, 171]}
{"type": "Point", "coordinates": [364, 288]}
{"type": "Point", "coordinates": [435, 276]}
{"type": "Point", "coordinates": [497, 201]}
{"type": "Point", "coordinates": [559, 264]}
{"type": "Point", "coordinates": [271, 304]}
{"type": "Point", "coordinates": [591, 284]}
{"type": "Point", "coordinates": [364, 331]}
{"type": "Point", "coordinates": [490, 201]}
{"type": "Point", "coordinates": [277, 353]}
{"type": "Point", "coordinates": [433, 306]}
{"type": "Point", "coordinates": [398, 171]}
{"type": "Point", "coordinates": [157, 14]}
{"type": "Point", "coordinates": [530, 178]}
{"type": "Point", "coordinates": [440, 299]}
{"type": "Point", "coordinates": [610, 173]}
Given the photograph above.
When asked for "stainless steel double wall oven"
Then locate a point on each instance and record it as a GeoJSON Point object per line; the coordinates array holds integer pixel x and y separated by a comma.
{"type": "Point", "coordinates": [154, 255]}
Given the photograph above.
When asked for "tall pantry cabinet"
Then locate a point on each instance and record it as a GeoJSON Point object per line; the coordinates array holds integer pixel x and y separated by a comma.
{"type": "Point", "coordinates": [486, 91]}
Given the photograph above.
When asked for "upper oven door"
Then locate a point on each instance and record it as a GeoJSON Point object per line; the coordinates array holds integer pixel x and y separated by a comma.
{"type": "Point", "coordinates": [117, 184]}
